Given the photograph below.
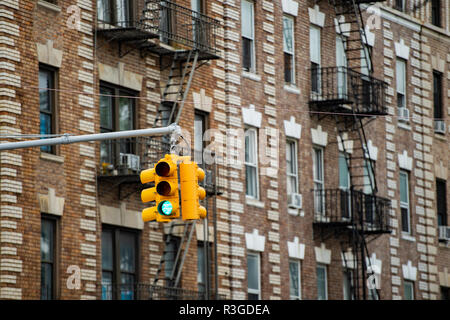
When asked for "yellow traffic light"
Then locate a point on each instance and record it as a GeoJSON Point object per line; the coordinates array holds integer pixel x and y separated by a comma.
{"type": "Point", "coordinates": [165, 191]}
{"type": "Point", "coordinates": [191, 192]}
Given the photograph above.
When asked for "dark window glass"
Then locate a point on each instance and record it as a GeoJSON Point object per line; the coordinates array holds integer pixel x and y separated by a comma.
{"type": "Point", "coordinates": [115, 12]}
{"type": "Point", "coordinates": [46, 104]}
{"type": "Point", "coordinates": [48, 227]}
{"type": "Point", "coordinates": [441, 202]}
{"type": "Point", "coordinates": [247, 45]}
{"type": "Point", "coordinates": [315, 77]}
{"type": "Point", "coordinates": [437, 94]}
{"type": "Point", "coordinates": [399, 5]}
{"type": "Point", "coordinates": [436, 12]}
{"type": "Point", "coordinates": [288, 68]}
{"type": "Point", "coordinates": [119, 269]}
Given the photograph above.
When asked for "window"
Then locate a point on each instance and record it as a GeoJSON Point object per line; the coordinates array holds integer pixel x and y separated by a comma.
{"type": "Point", "coordinates": [253, 276]}
{"type": "Point", "coordinates": [400, 5]}
{"type": "Point", "coordinates": [437, 98]}
{"type": "Point", "coordinates": [344, 185]}
{"type": "Point", "coordinates": [291, 167]}
{"type": "Point", "coordinates": [251, 163]}
{"type": "Point", "coordinates": [48, 257]}
{"type": "Point", "coordinates": [203, 258]}
{"type": "Point", "coordinates": [199, 34]}
{"type": "Point", "coordinates": [115, 12]}
{"type": "Point", "coordinates": [248, 35]}
{"type": "Point", "coordinates": [401, 82]}
{"type": "Point", "coordinates": [445, 293]}
{"type": "Point", "coordinates": [341, 63]}
{"type": "Point", "coordinates": [119, 263]}
{"type": "Point", "coordinates": [322, 290]}
{"type": "Point", "coordinates": [314, 52]}
{"type": "Point", "coordinates": [408, 288]}
{"type": "Point", "coordinates": [348, 285]}
{"type": "Point", "coordinates": [404, 202]}
{"type": "Point", "coordinates": [294, 280]}
{"type": "Point", "coordinates": [436, 12]}
{"type": "Point", "coordinates": [318, 180]}
{"type": "Point", "coordinates": [288, 48]}
{"type": "Point", "coordinates": [441, 202]}
{"type": "Point", "coordinates": [47, 102]}
{"type": "Point", "coordinates": [117, 112]}
{"type": "Point", "coordinates": [169, 258]}
{"type": "Point", "coordinates": [200, 125]}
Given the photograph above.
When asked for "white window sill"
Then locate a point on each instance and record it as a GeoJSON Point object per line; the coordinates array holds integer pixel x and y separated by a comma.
{"type": "Point", "coordinates": [404, 125]}
{"type": "Point", "coordinates": [251, 75]}
{"type": "Point", "coordinates": [52, 157]}
{"type": "Point", "coordinates": [291, 88]}
{"type": "Point", "coordinates": [440, 136]}
{"type": "Point", "coordinates": [296, 212]}
{"type": "Point", "coordinates": [50, 6]}
{"type": "Point", "coordinates": [408, 237]}
{"type": "Point", "coordinates": [254, 202]}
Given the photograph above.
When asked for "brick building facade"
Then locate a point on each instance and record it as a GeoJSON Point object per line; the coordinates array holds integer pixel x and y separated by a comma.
{"type": "Point", "coordinates": [74, 211]}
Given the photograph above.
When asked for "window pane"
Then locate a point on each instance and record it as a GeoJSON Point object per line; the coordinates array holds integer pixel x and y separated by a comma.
{"type": "Point", "coordinates": [46, 281]}
{"type": "Point", "coordinates": [404, 187]}
{"type": "Point", "coordinates": [198, 132]}
{"type": "Point", "coordinates": [288, 35]}
{"type": "Point", "coordinates": [321, 283]}
{"type": "Point", "coordinates": [294, 279]}
{"type": "Point", "coordinates": [314, 39]}
{"type": "Point", "coordinates": [107, 250]}
{"type": "Point", "coordinates": [125, 114]}
{"type": "Point", "coordinates": [401, 76]}
{"type": "Point", "coordinates": [409, 290]}
{"type": "Point", "coordinates": [437, 95]}
{"type": "Point", "coordinates": [405, 219]}
{"type": "Point", "coordinates": [441, 202]}
{"type": "Point", "coordinates": [44, 94]}
{"type": "Point", "coordinates": [201, 274]}
{"type": "Point", "coordinates": [106, 109]}
{"type": "Point", "coordinates": [127, 286]}
{"type": "Point", "coordinates": [250, 147]}
{"type": "Point", "coordinates": [247, 19]}
{"type": "Point", "coordinates": [107, 285]}
{"type": "Point", "coordinates": [343, 172]}
{"type": "Point", "coordinates": [250, 179]}
{"type": "Point", "coordinates": [318, 170]}
{"type": "Point", "coordinates": [127, 252]}
{"type": "Point", "coordinates": [45, 126]}
{"type": "Point", "coordinates": [253, 272]}
{"type": "Point", "coordinates": [247, 54]}
{"type": "Point", "coordinates": [47, 240]}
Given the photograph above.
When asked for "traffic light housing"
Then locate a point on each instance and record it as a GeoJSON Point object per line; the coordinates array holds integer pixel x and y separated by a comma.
{"type": "Point", "coordinates": [191, 192]}
{"type": "Point", "coordinates": [165, 191]}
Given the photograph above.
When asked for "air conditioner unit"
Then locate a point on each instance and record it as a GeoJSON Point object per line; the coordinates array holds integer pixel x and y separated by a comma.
{"type": "Point", "coordinates": [444, 233]}
{"type": "Point", "coordinates": [439, 126]}
{"type": "Point", "coordinates": [131, 161]}
{"type": "Point", "coordinates": [295, 200]}
{"type": "Point", "coordinates": [403, 114]}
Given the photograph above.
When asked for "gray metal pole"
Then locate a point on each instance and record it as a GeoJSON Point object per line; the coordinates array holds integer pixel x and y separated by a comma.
{"type": "Point", "coordinates": [68, 139]}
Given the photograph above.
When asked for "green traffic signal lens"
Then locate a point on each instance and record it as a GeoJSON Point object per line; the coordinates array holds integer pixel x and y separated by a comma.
{"type": "Point", "coordinates": [165, 208]}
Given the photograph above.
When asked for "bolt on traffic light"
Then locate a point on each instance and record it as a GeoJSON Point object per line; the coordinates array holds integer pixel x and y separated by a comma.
{"type": "Point", "coordinates": [191, 192]}
{"type": "Point", "coordinates": [165, 191]}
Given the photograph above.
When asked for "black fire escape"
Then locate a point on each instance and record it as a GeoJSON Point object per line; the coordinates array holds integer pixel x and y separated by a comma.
{"type": "Point", "coordinates": [352, 97]}
{"type": "Point", "coordinates": [184, 40]}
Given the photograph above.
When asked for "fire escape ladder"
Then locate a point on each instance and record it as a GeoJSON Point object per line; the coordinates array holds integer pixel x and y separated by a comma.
{"type": "Point", "coordinates": [173, 279]}
{"type": "Point", "coordinates": [177, 88]}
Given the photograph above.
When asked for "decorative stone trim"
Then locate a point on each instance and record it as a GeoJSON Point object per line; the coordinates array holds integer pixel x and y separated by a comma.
{"type": "Point", "coordinates": [370, 37]}
{"type": "Point", "coordinates": [401, 50]}
{"type": "Point", "coordinates": [348, 144]}
{"type": "Point", "coordinates": [375, 263]}
{"type": "Point", "coordinates": [347, 260]}
{"type": "Point", "coordinates": [444, 278]}
{"type": "Point", "coordinates": [117, 75]}
{"type": "Point", "coordinates": [254, 241]}
{"type": "Point", "coordinates": [292, 129]}
{"type": "Point", "coordinates": [49, 55]}
{"type": "Point", "coordinates": [202, 101]}
{"type": "Point", "coordinates": [319, 137]}
{"type": "Point", "coordinates": [251, 117]}
{"type": "Point", "coordinates": [323, 255]}
{"type": "Point", "coordinates": [405, 162]}
{"type": "Point", "coordinates": [371, 151]}
{"type": "Point", "coordinates": [290, 7]}
{"type": "Point", "coordinates": [50, 203]}
{"type": "Point", "coordinates": [121, 216]}
{"type": "Point", "coordinates": [345, 27]}
{"type": "Point", "coordinates": [409, 272]}
{"type": "Point", "coordinates": [296, 250]}
{"type": "Point", "coordinates": [440, 171]}
{"type": "Point", "coordinates": [316, 17]}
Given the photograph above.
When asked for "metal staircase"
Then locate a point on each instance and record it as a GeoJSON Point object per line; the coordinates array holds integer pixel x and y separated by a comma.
{"type": "Point", "coordinates": [362, 206]}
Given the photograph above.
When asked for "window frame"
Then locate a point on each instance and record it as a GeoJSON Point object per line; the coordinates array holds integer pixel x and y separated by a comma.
{"type": "Point", "coordinates": [318, 181]}
{"type": "Point", "coordinates": [410, 284]}
{"type": "Point", "coordinates": [254, 165]}
{"type": "Point", "coordinates": [405, 205]}
{"type": "Point", "coordinates": [250, 38]}
{"type": "Point", "coordinates": [324, 267]}
{"type": "Point", "coordinates": [55, 221]}
{"type": "Point", "coordinates": [441, 215]}
{"type": "Point", "coordinates": [348, 294]}
{"type": "Point", "coordinates": [438, 108]}
{"type": "Point", "coordinates": [53, 101]}
{"type": "Point", "coordinates": [436, 13]}
{"type": "Point", "coordinates": [292, 144]}
{"type": "Point", "coordinates": [205, 125]}
{"type": "Point", "coordinates": [257, 292]}
{"type": "Point", "coordinates": [299, 277]}
{"type": "Point", "coordinates": [315, 64]}
{"type": "Point", "coordinates": [292, 73]}
{"type": "Point", "coordinates": [401, 94]}
{"type": "Point", "coordinates": [116, 270]}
